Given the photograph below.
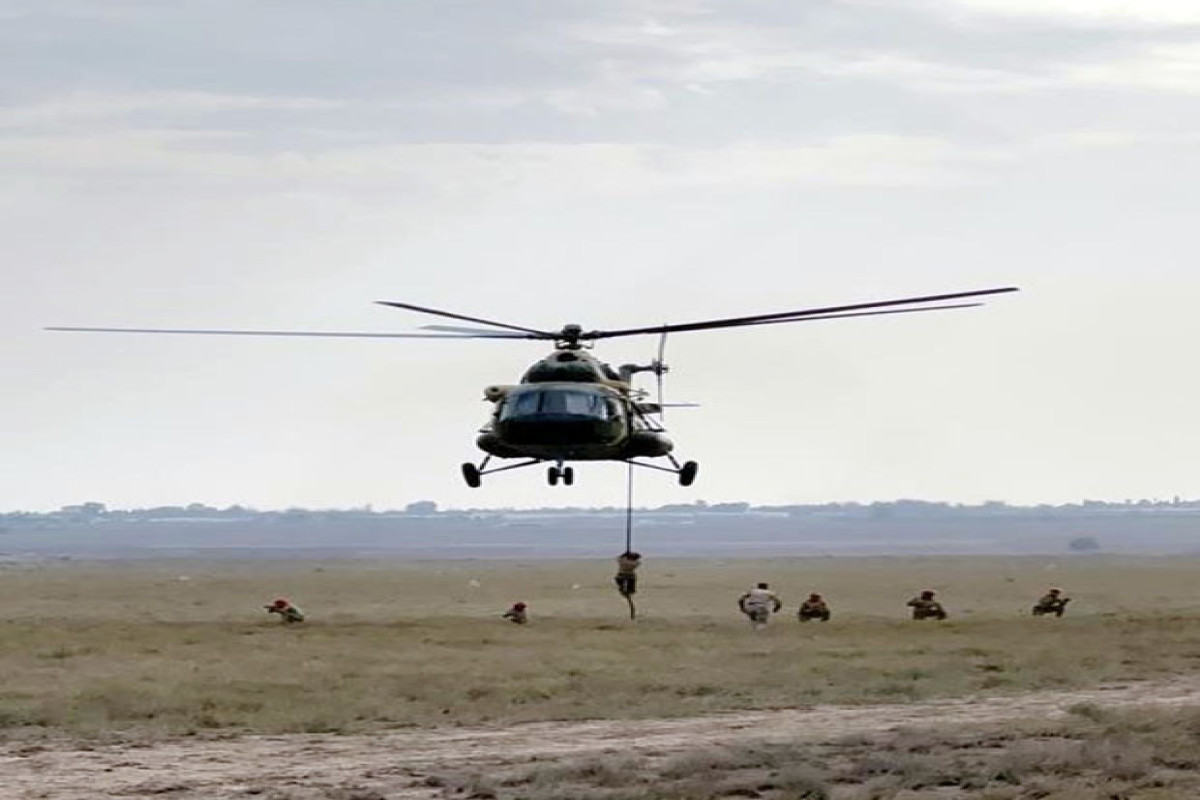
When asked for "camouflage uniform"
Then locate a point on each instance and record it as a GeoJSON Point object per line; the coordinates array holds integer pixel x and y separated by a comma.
{"type": "Point", "coordinates": [1052, 603]}
{"type": "Point", "coordinates": [758, 604]}
{"type": "Point", "coordinates": [925, 607]}
{"type": "Point", "coordinates": [814, 607]}
{"type": "Point", "coordinates": [626, 577]}
{"type": "Point", "coordinates": [517, 614]}
{"type": "Point", "coordinates": [287, 612]}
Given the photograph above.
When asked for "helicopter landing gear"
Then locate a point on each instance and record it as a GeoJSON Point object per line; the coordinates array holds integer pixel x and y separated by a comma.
{"type": "Point", "coordinates": [686, 471]}
{"type": "Point", "coordinates": [565, 474]}
{"type": "Point", "coordinates": [471, 475]}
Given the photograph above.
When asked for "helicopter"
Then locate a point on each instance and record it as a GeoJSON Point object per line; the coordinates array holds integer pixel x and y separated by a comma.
{"type": "Point", "coordinates": [571, 406]}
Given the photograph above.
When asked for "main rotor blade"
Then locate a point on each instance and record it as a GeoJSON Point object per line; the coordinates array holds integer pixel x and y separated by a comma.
{"type": "Point", "coordinates": [789, 316]}
{"type": "Point", "coordinates": [475, 331]}
{"type": "Point", "coordinates": [464, 318]}
{"type": "Point", "coordinates": [860, 314]}
{"type": "Point", "coordinates": [333, 334]}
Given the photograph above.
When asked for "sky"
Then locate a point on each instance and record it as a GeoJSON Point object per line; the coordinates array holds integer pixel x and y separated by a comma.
{"type": "Point", "coordinates": [234, 164]}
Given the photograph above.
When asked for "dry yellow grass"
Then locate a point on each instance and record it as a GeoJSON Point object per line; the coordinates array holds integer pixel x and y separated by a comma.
{"type": "Point", "coordinates": [139, 649]}
{"type": "Point", "coordinates": [1133, 755]}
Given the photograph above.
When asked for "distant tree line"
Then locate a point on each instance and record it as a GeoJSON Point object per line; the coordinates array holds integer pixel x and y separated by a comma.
{"type": "Point", "coordinates": [96, 513]}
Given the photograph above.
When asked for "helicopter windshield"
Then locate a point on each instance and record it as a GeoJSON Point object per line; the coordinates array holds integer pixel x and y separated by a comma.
{"type": "Point", "coordinates": [568, 402]}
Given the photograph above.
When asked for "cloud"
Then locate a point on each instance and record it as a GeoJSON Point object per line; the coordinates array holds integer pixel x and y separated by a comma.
{"type": "Point", "coordinates": [1090, 139]}
{"type": "Point", "coordinates": [701, 54]}
{"type": "Point", "coordinates": [685, 50]}
{"type": "Point", "coordinates": [1154, 67]}
{"type": "Point", "coordinates": [70, 9]}
{"type": "Point", "coordinates": [916, 74]}
{"type": "Point", "coordinates": [1163, 67]}
{"type": "Point", "coordinates": [446, 169]}
{"type": "Point", "coordinates": [1124, 12]}
{"type": "Point", "coordinates": [93, 106]}
{"type": "Point", "coordinates": [639, 95]}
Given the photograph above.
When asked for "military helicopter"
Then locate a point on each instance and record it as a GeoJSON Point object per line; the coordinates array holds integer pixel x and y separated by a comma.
{"type": "Point", "coordinates": [570, 406]}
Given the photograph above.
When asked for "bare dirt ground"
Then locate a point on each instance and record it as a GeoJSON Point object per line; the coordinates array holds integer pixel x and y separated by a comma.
{"type": "Point", "coordinates": [406, 764]}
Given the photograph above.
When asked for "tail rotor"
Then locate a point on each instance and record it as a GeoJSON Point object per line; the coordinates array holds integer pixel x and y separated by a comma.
{"type": "Point", "coordinates": [660, 369]}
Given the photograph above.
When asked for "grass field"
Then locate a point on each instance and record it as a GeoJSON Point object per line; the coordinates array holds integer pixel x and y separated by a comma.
{"type": "Point", "coordinates": [185, 647]}
{"type": "Point", "coordinates": [1117, 755]}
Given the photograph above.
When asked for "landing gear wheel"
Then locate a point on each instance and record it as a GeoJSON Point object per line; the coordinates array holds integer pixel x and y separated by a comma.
{"type": "Point", "coordinates": [471, 475]}
{"type": "Point", "coordinates": [552, 476]}
{"type": "Point", "coordinates": [568, 475]}
{"type": "Point", "coordinates": [687, 473]}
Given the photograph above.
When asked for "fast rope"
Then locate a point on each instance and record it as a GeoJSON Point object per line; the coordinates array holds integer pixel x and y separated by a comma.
{"type": "Point", "coordinates": [629, 509]}
{"type": "Point", "coordinates": [629, 533]}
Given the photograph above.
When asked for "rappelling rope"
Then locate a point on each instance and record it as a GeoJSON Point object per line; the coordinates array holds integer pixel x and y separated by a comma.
{"type": "Point", "coordinates": [629, 531]}
{"type": "Point", "coordinates": [629, 509]}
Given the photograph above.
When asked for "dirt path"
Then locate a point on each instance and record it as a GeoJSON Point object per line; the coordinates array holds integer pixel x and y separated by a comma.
{"type": "Point", "coordinates": [396, 765]}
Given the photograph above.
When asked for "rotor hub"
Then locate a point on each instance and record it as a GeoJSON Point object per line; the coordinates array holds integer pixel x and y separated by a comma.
{"type": "Point", "coordinates": [568, 338]}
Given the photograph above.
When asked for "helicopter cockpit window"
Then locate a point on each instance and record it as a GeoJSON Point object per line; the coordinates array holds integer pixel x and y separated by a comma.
{"type": "Point", "coordinates": [567, 402]}
{"type": "Point", "coordinates": [521, 405]}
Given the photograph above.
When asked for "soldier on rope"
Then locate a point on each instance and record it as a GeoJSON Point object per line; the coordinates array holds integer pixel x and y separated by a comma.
{"type": "Point", "coordinates": [626, 577]}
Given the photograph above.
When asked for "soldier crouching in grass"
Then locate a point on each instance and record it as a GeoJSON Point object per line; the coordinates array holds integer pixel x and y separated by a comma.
{"type": "Point", "coordinates": [517, 614]}
{"type": "Point", "coordinates": [1051, 603]}
{"type": "Point", "coordinates": [288, 613]}
{"type": "Point", "coordinates": [925, 607]}
{"type": "Point", "coordinates": [814, 607]}
{"type": "Point", "coordinates": [758, 604]}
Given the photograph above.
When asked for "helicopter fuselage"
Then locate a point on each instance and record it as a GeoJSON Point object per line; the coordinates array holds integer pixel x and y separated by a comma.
{"type": "Point", "coordinates": [570, 406]}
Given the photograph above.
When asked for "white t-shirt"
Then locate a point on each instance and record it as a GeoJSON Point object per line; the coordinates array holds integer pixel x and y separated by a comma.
{"type": "Point", "coordinates": [761, 598]}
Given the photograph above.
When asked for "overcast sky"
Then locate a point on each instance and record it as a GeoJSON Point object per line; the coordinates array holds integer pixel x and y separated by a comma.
{"type": "Point", "coordinates": [246, 164]}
